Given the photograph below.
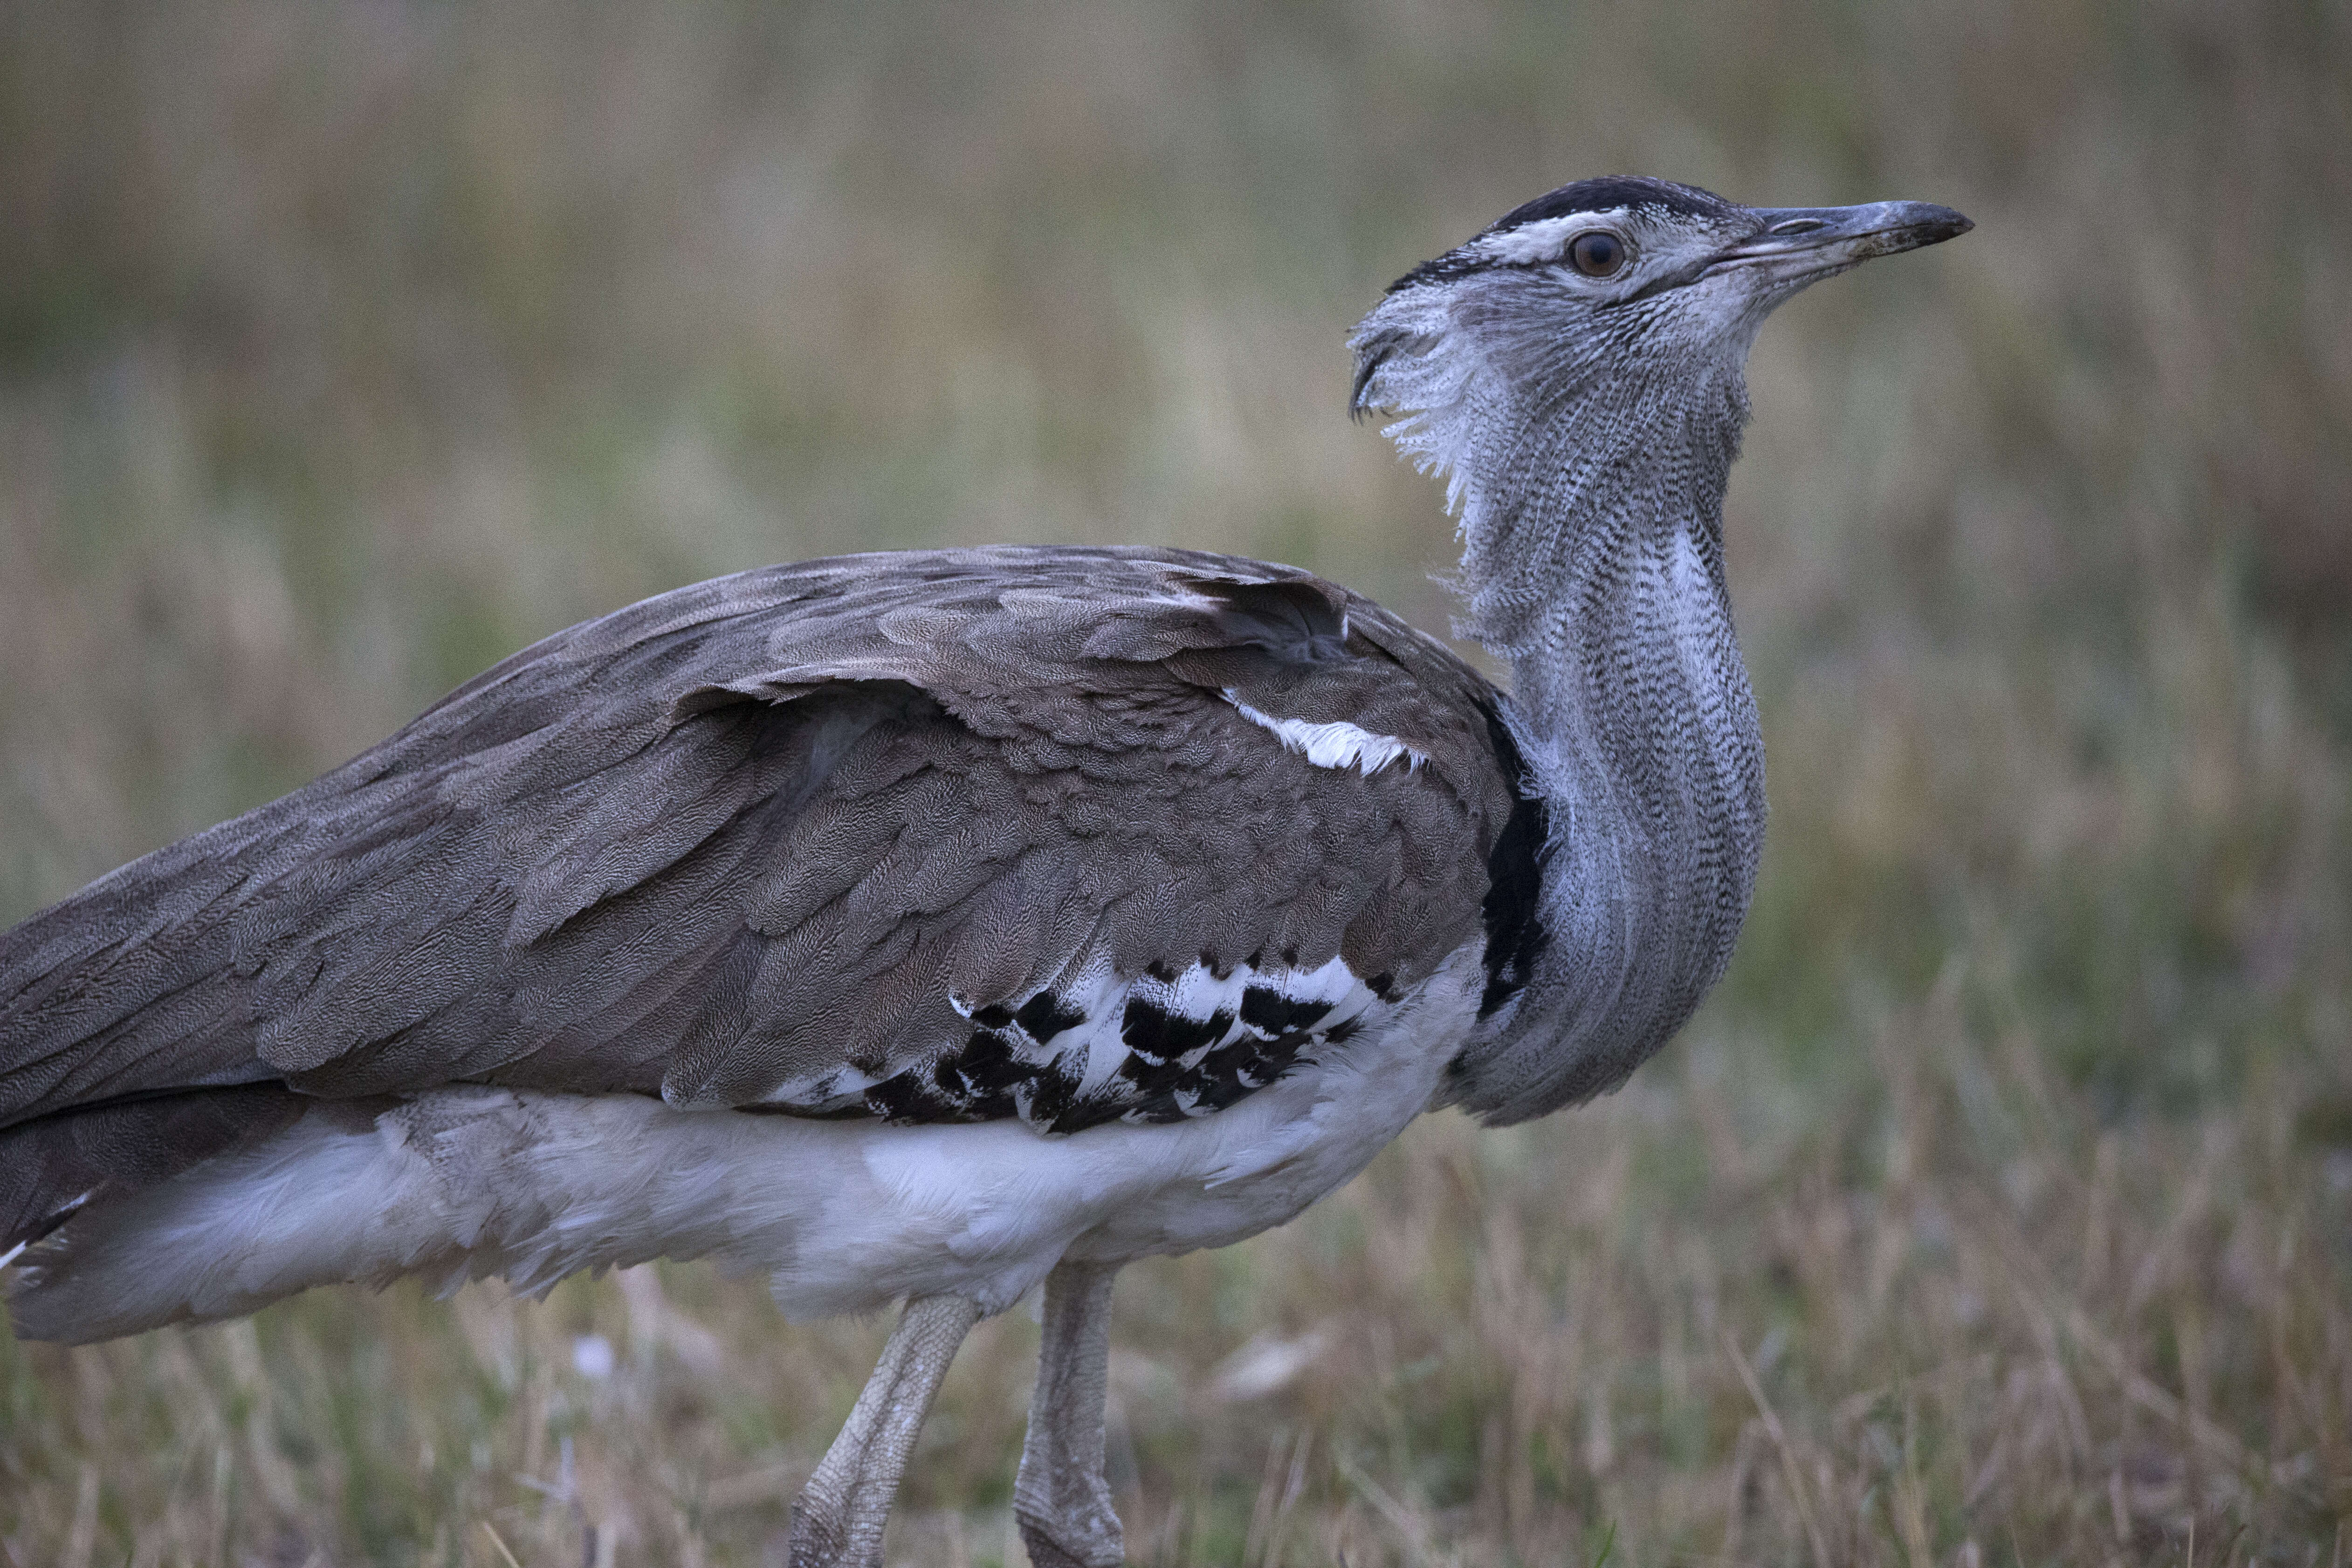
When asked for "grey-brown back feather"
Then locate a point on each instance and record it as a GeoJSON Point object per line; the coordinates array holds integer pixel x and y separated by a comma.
{"type": "Point", "coordinates": [760, 830]}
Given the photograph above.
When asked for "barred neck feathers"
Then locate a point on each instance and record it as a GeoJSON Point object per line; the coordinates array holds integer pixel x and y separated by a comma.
{"type": "Point", "coordinates": [1589, 500]}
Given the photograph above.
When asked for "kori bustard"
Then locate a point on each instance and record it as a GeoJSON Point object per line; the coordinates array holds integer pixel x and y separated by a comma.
{"type": "Point", "coordinates": [930, 926]}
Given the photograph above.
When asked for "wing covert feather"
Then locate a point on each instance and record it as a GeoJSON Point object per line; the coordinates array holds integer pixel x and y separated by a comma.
{"type": "Point", "coordinates": [791, 834]}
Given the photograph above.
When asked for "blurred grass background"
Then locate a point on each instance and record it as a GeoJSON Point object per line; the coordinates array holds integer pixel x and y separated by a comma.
{"type": "Point", "coordinates": [1999, 1207]}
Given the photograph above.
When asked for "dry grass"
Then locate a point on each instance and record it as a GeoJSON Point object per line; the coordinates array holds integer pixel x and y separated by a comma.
{"type": "Point", "coordinates": [1943, 1324]}
{"type": "Point", "coordinates": [1999, 1208]}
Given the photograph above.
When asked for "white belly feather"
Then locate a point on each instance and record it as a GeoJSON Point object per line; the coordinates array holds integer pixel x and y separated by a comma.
{"type": "Point", "coordinates": [846, 1216]}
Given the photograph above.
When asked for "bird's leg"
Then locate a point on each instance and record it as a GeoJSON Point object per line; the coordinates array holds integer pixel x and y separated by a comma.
{"type": "Point", "coordinates": [1060, 1497]}
{"type": "Point", "coordinates": [838, 1520]}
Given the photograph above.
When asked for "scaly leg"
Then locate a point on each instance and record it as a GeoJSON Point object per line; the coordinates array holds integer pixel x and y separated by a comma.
{"type": "Point", "coordinates": [838, 1520]}
{"type": "Point", "coordinates": [1060, 1497]}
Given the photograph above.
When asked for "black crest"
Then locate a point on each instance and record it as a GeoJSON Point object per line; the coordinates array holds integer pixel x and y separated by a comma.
{"type": "Point", "coordinates": [1602, 194]}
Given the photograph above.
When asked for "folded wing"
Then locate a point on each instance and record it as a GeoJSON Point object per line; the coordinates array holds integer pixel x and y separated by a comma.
{"type": "Point", "coordinates": [947, 836]}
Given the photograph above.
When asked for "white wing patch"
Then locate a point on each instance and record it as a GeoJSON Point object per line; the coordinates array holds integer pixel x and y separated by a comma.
{"type": "Point", "coordinates": [1338, 744]}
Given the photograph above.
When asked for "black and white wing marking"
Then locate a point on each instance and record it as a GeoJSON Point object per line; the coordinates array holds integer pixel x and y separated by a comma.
{"type": "Point", "coordinates": [1159, 1046]}
{"type": "Point", "coordinates": [958, 835]}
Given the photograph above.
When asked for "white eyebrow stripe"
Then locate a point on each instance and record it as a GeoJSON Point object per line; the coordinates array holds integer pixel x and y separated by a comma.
{"type": "Point", "coordinates": [1338, 744]}
{"type": "Point", "coordinates": [1542, 240]}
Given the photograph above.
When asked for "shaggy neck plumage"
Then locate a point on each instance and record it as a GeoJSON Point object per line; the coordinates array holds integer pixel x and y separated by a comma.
{"type": "Point", "coordinates": [1591, 520]}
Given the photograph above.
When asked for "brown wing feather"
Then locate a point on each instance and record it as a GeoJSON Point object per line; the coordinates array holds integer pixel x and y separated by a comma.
{"type": "Point", "coordinates": [769, 826]}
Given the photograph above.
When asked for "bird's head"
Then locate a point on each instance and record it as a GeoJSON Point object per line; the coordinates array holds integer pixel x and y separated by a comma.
{"type": "Point", "coordinates": [1625, 277]}
{"type": "Point", "coordinates": [1634, 285]}
{"type": "Point", "coordinates": [1580, 361]}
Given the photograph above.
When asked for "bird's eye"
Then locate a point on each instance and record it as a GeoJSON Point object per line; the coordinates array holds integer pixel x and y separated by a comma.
{"type": "Point", "coordinates": [1597, 253]}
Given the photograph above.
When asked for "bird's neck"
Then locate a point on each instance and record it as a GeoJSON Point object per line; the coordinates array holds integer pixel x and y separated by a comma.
{"type": "Point", "coordinates": [1593, 563]}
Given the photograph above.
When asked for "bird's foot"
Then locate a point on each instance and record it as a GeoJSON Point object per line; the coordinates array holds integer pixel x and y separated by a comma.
{"type": "Point", "coordinates": [1084, 1536]}
{"type": "Point", "coordinates": [820, 1537]}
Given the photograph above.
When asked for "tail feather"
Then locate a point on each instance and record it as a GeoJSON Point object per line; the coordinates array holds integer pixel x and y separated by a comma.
{"type": "Point", "coordinates": [52, 1166]}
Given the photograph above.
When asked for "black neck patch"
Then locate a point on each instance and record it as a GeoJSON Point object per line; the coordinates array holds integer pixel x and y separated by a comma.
{"type": "Point", "coordinates": [1512, 909]}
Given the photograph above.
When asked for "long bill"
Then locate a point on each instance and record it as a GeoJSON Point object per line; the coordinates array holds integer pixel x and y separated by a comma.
{"type": "Point", "coordinates": [1802, 242]}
